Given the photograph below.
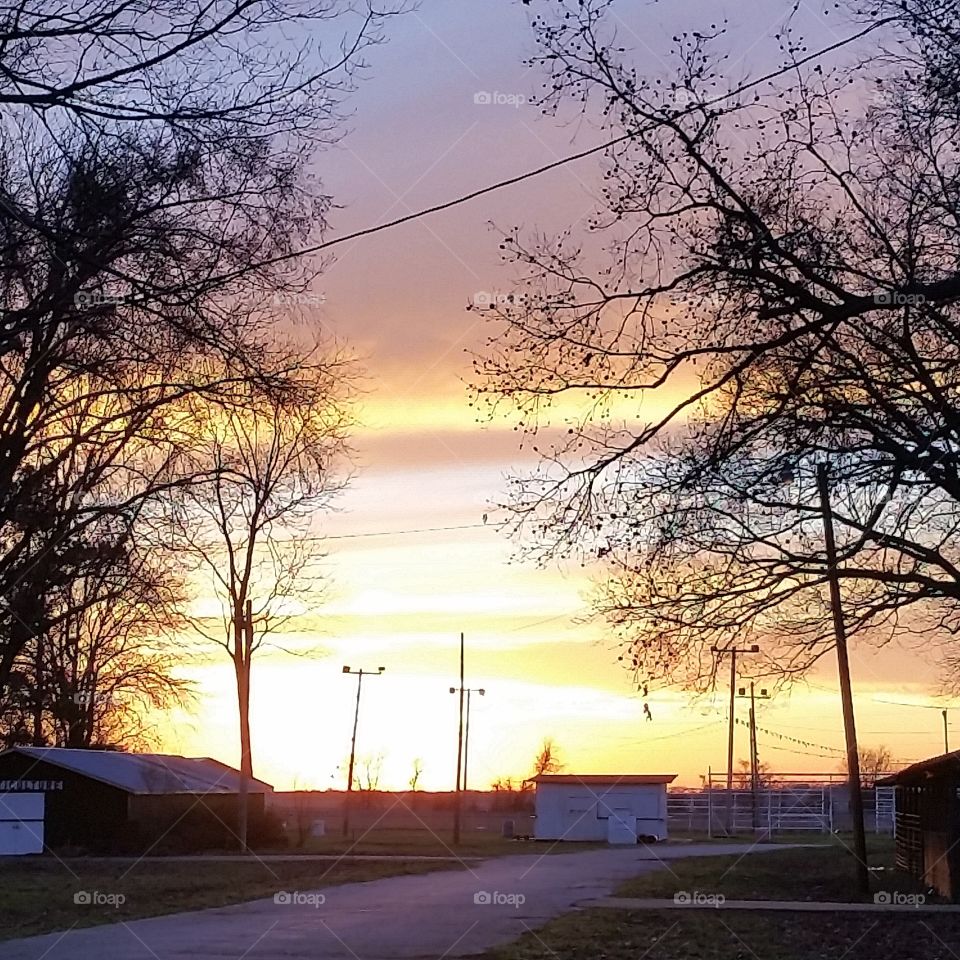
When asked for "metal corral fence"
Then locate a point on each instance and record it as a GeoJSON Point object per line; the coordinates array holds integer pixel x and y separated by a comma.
{"type": "Point", "coordinates": [786, 809]}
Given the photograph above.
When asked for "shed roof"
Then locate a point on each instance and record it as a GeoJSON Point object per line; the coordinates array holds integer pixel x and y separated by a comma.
{"type": "Point", "coordinates": [943, 765]}
{"type": "Point", "coordinates": [145, 773]}
{"type": "Point", "coordinates": [603, 779]}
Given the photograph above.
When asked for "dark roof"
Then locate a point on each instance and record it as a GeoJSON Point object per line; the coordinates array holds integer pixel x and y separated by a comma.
{"type": "Point", "coordinates": [944, 765]}
{"type": "Point", "coordinates": [600, 779]}
{"type": "Point", "coordinates": [145, 773]}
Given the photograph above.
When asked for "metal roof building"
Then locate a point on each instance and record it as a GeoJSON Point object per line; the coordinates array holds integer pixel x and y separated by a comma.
{"type": "Point", "coordinates": [111, 802]}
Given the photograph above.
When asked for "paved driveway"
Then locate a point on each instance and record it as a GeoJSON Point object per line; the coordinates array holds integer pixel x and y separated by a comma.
{"type": "Point", "coordinates": [446, 914]}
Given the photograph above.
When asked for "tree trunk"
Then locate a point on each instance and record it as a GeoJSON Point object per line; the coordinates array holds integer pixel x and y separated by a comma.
{"type": "Point", "coordinates": [38, 693]}
{"type": "Point", "coordinates": [241, 662]}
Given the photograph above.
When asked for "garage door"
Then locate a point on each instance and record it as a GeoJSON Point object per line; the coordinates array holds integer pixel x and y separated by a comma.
{"type": "Point", "coordinates": [21, 823]}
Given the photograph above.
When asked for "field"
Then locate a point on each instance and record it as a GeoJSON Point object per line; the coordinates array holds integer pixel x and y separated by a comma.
{"type": "Point", "coordinates": [427, 842]}
{"type": "Point", "coordinates": [715, 933]}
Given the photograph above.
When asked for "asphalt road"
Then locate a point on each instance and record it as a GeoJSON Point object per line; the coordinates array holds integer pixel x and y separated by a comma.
{"type": "Point", "coordinates": [446, 914]}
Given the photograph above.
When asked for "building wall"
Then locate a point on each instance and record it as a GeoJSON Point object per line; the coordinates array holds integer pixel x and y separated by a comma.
{"type": "Point", "coordinates": [938, 823]}
{"type": "Point", "coordinates": [79, 812]}
{"type": "Point", "coordinates": [928, 832]}
{"type": "Point", "coordinates": [574, 812]}
{"type": "Point", "coordinates": [174, 822]}
{"type": "Point", "coordinates": [84, 815]}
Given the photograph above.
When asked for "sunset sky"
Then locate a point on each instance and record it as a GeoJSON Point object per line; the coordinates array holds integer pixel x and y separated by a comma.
{"type": "Point", "coordinates": [416, 137]}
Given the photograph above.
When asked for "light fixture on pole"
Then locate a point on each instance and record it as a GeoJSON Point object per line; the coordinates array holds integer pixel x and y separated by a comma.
{"type": "Point", "coordinates": [719, 652]}
{"type": "Point", "coordinates": [754, 758]}
{"type": "Point", "coordinates": [359, 674]}
{"type": "Point", "coordinates": [466, 727]}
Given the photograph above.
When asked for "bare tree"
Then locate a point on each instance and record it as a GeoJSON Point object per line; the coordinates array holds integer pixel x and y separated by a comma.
{"type": "Point", "coordinates": [874, 763]}
{"type": "Point", "coordinates": [153, 176]}
{"type": "Point", "coordinates": [270, 467]}
{"type": "Point", "coordinates": [743, 776]}
{"type": "Point", "coordinates": [203, 66]}
{"type": "Point", "coordinates": [547, 759]}
{"type": "Point", "coordinates": [783, 280]}
{"type": "Point", "coordinates": [370, 769]}
{"type": "Point", "coordinates": [110, 658]}
{"type": "Point", "coordinates": [415, 775]}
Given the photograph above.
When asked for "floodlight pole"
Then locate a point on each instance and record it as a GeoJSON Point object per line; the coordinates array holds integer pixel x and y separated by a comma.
{"type": "Point", "coordinates": [456, 798]}
{"type": "Point", "coordinates": [466, 729]}
{"type": "Point", "coordinates": [754, 757]}
{"type": "Point", "coordinates": [359, 674]}
{"type": "Point", "coordinates": [846, 691]}
{"type": "Point", "coordinates": [718, 653]}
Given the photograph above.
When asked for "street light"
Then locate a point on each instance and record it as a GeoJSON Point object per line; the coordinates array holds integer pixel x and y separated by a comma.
{"type": "Point", "coordinates": [359, 674]}
{"type": "Point", "coordinates": [754, 758]}
{"type": "Point", "coordinates": [718, 652]}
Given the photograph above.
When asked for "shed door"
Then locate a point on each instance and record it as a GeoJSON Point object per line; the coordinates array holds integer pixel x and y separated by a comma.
{"type": "Point", "coordinates": [21, 823]}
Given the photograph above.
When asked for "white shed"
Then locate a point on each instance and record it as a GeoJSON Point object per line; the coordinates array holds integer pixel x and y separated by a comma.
{"type": "Point", "coordinates": [617, 808]}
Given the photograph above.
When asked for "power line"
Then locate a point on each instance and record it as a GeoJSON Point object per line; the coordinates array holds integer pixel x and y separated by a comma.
{"type": "Point", "coordinates": [401, 533]}
{"type": "Point", "coordinates": [805, 753]}
{"type": "Point", "coordinates": [570, 158]}
{"type": "Point", "coordinates": [923, 706]}
{"type": "Point", "coordinates": [540, 623]}
{"type": "Point", "coordinates": [323, 538]}
{"type": "Point", "coordinates": [642, 741]}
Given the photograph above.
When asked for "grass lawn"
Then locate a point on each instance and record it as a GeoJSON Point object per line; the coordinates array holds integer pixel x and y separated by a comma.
{"type": "Point", "coordinates": [37, 894]}
{"type": "Point", "coordinates": [823, 873]}
{"type": "Point", "coordinates": [717, 934]}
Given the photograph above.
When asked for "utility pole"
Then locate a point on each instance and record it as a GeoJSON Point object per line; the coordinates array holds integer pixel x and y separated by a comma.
{"type": "Point", "coordinates": [359, 674]}
{"type": "Point", "coordinates": [846, 692]}
{"type": "Point", "coordinates": [718, 652]}
{"type": "Point", "coordinates": [946, 738]}
{"type": "Point", "coordinates": [733, 687]}
{"type": "Point", "coordinates": [466, 729]}
{"type": "Point", "coordinates": [456, 798]}
{"type": "Point", "coordinates": [754, 758]}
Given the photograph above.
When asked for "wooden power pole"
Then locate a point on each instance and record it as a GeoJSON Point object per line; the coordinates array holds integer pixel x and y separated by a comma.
{"type": "Point", "coordinates": [846, 692]}
{"type": "Point", "coordinates": [456, 797]}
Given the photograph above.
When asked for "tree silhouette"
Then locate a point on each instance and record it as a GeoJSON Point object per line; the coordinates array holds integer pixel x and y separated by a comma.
{"type": "Point", "coordinates": [781, 288]}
